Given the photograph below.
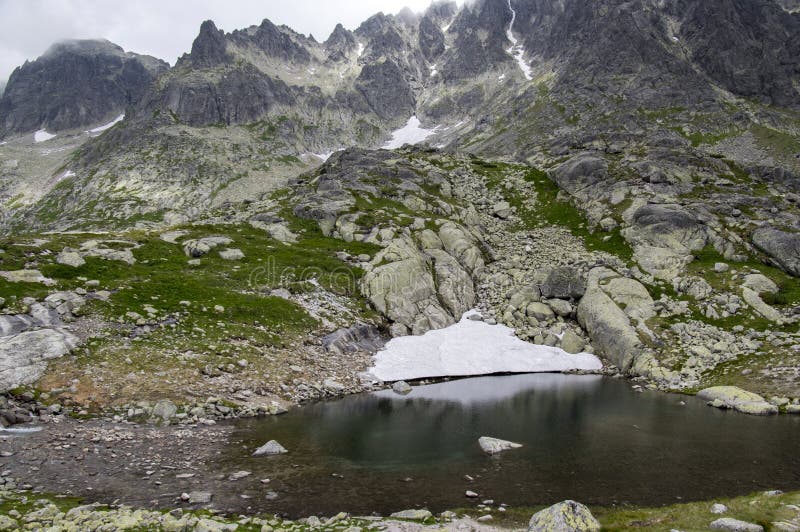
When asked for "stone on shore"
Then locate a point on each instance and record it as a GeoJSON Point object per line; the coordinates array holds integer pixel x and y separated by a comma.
{"type": "Point", "coordinates": [728, 523]}
{"type": "Point", "coordinates": [737, 399]}
{"type": "Point", "coordinates": [566, 516]}
{"type": "Point", "coordinates": [414, 515]}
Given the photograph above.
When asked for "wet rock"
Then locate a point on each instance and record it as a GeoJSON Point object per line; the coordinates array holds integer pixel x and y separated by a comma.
{"type": "Point", "coordinates": [361, 337]}
{"type": "Point", "coordinates": [737, 399]}
{"type": "Point", "coordinates": [270, 448]}
{"type": "Point", "coordinates": [735, 525]}
{"type": "Point", "coordinates": [493, 445]}
{"type": "Point", "coordinates": [566, 516]}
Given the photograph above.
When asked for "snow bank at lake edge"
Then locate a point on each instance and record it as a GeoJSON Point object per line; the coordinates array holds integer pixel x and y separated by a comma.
{"type": "Point", "coordinates": [470, 348]}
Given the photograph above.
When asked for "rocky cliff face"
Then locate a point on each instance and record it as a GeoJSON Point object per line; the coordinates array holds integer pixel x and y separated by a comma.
{"type": "Point", "coordinates": [75, 84]}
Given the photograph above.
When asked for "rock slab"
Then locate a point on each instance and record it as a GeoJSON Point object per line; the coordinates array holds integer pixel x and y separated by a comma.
{"type": "Point", "coordinates": [566, 516]}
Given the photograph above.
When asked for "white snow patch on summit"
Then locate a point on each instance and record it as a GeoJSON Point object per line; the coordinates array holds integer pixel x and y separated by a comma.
{"type": "Point", "coordinates": [42, 136]}
{"type": "Point", "coordinates": [471, 348]}
{"type": "Point", "coordinates": [411, 133]}
{"type": "Point", "coordinates": [516, 50]}
{"type": "Point", "coordinates": [100, 129]}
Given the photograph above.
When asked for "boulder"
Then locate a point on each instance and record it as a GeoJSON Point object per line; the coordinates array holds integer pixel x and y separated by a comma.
{"type": "Point", "coordinates": [70, 257]}
{"type": "Point", "coordinates": [572, 343]}
{"type": "Point", "coordinates": [752, 298]}
{"type": "Point", "coordinates": [270, 448]}
{"type": "Point", "coordinates": [781, 246]}
{"type": "Point", "coordinates": [23, 357]}
{"type": "Point", "coordinates": [198, 247]}
{"type": "Point", "coordinates": [735, 525]}
{"type": "Point", "coordinates": [165, 410]}
{"type": "Point", "coordinates": [278, 231]}
{"type": "Point", "coordinates": [401, 387]}
{"type": "Point", "coordinates": [560, 307]}
{"type": "Point", "coordinates": [502, 210]}
{"type": "Point", "coordinates": [631, 296]}
{"type": "Point", "coordinates": [608, 325]}
{"type": "Point", "coordinates": [695, 287]}
{"type": "Point", "coordinates": [540, 311]}
{"type": "Point", "coordinates": [760, 283]}
{"type": "Point", "coordinates": [493, 445]}
{"type": "Point", "coordinates": [737, 399]}
{"type": "Point", "coordinates": [26, 276]}
{"type": "Point", "coordinates": [413, 515]}
{"type": "Point", "coordinates": [563, 282]}
{"type": "Point", "coordinates": [566, 516]}
{"type": "Point", "coordinates": [231, 254]}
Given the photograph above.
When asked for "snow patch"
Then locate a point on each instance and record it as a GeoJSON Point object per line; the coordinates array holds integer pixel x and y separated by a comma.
{"type": "Point", "coordinates": [516, 50]}
{"type": "Point", "coordinates": [472, 347]}
{"type": "Point", "coordinates": [360, 51]}
{"type": "Point", "coordinates": [433, 70]}
{"type": "Point", "coordinates": [42, 136]}
{"type": "Point", "coordinates": [3, 143]}
{"type": "Point", "coordinates": [100, 129]}
{"type": "Point", "coordinates": [324, 156]}
{"type": "Point", "coordinates": [411, 133]}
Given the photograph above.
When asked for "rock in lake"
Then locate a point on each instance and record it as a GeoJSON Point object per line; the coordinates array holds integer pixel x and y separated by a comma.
{"type": "Point", "coordinates": [494, 445]}
{"type": "Point", "coordinates": [737, 399]}
{"type": "Point", "coordinates": [566, 516]}
{"type": "Point", "coordinates": [270, 448]}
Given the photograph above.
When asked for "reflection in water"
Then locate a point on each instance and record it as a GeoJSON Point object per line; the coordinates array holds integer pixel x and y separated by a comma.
{"type": "Point", "coordinates": [585, 438]}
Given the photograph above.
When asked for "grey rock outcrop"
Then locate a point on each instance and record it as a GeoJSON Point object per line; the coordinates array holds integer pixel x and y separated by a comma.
{"type": "Point", "coordinates": [75, 84]}
{"type": "Point", "coordinates": [24, 356]}
{"type": "Point", "coordinates": [737, 399]}
{"type": "Point", "coordinates": [362, 337]}
{"type": "Point", "coordinates": [781, 246]}
{"type": "Point", "coordinates": [608, 325]}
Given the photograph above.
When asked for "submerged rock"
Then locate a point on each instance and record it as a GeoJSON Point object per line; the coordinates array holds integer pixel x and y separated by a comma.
{"type": "Point", "coordinates": [566, 516]}
{"type": "Point", "coordinates": [269, 449]}
{"type": "Point", "coordinates": [493, 445]}
{"type": "Point", "coordinates": [737, 399]}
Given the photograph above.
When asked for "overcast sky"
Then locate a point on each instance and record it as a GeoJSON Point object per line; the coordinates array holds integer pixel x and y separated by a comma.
{"type": "Point", "coordinates": [165, 28]}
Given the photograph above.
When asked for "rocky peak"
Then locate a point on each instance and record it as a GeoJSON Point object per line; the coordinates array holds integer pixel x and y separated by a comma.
{"type": "Point", "coordinates": [481, 40]}
{"type": "Point", "coordinates": [209, 48]}
{"type": "Point", "coordinates": [279, 42]}
{"type": "Point", "coordinates": [74, 84]}
{"type": "Point", "coordinates": [340, 43]}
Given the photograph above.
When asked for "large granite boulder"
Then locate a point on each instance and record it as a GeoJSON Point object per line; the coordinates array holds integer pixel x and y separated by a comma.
{"type": "Point", "coordinates": [566, 516]}
{"type": "Point", "coordinates": [782, 247]}
{"type": "Point", "coordinates": [737, 399]}
{"type": "Point", "coordinates": [23, 357]}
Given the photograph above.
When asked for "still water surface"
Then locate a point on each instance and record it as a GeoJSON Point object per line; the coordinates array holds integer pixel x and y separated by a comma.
{"type": "Point", "coordinates": [587, 438]}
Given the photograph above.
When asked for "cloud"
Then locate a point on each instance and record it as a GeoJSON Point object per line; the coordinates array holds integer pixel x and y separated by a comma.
{"type": "Point", "coordinates": [165, 28]}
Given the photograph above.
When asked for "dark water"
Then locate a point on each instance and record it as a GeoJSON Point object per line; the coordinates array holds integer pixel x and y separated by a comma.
{"type": "Point", "coordinates": [585, 437]}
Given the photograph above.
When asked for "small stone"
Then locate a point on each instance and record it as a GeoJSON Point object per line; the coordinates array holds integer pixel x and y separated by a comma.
{"type": "Point", "coordinates": [718, 508]}
{"type": "Point", "coordinates": [70, 258]}
{"type": "Point", "coordinates": [721, 267]}
{"type": "Point", "coordinates": [239, 475]}
{"type": "Point", "coordinates": [200, 497]}
{"type": "Point", "coordinates": [231, 254]}
{"type": "Point", "coordinates": [471, 494]}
